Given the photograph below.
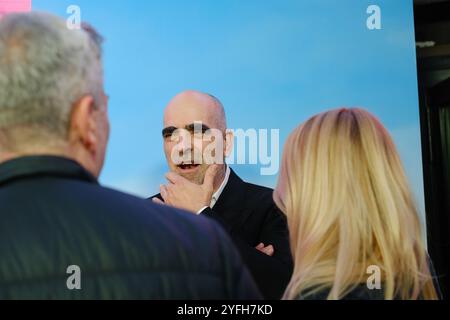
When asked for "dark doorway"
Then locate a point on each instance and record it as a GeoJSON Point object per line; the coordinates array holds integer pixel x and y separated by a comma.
{"type": "Point", "coordinates": [432, 23]}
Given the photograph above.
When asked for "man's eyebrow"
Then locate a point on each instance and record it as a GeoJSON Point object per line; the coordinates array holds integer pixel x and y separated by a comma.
{"type": "Point", "coordinates": [191, 127]}
{"type": "Point", "coordinates": [168, 131]}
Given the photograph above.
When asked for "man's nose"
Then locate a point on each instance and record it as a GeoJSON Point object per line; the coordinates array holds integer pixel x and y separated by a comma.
{"type": "Point", "coordinates": [184, 144]}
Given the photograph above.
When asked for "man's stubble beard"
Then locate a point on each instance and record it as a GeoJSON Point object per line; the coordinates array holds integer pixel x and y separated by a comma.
{"type": "Point", "coordinates": [196, 177]}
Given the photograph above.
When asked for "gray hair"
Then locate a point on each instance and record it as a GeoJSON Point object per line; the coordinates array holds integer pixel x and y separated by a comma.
{"type": "Point", "coordinates": [45, 67]}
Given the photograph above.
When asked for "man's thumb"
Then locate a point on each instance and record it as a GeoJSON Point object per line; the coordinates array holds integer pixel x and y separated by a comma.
{"type": "Point", "coordinates": [210, 174]}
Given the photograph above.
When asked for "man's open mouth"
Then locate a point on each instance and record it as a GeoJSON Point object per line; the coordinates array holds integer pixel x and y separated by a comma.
{"type": "Point", "coordinates": [187, 166]}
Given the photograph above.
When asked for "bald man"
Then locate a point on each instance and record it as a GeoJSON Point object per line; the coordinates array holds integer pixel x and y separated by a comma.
{"type": "Point", "coordinates": [196, 142]}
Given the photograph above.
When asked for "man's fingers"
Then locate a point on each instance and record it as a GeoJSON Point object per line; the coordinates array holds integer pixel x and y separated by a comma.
{"type": "Point", "coordinates": [157, 200]}
{"type": "Point", "coordinates": [173, 177]}
{"type": "Point", "coordinates": [269, 250]}
{"type": "Point", "coordinates": [163, 192]}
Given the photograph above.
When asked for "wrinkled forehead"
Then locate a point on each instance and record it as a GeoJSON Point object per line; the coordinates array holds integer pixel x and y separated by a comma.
{"type": "Point", "coordinates": [180, 114]}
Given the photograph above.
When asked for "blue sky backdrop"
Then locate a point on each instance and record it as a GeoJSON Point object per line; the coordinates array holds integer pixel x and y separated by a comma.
{"type": "Point", "coordinates": [272, 63]}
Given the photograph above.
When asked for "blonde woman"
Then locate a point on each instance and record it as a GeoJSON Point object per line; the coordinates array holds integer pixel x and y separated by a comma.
{"type": "Point", "coordinates": [350, 210]}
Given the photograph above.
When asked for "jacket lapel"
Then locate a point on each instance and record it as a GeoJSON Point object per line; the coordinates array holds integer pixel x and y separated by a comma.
{"type": "Point", "coordinates": [232, 205]}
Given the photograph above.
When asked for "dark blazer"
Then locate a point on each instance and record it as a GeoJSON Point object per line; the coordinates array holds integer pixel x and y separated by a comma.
{"type": "Point", "coordinates": [248, 213]}
{"type": "Point", "coordinates": [54, 214]}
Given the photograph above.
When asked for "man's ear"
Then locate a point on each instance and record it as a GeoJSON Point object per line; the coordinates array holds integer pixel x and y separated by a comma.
{"type": "Point", "coordinates": [82, 123]}
{"type": "Point", "coordinates": [229, 141]}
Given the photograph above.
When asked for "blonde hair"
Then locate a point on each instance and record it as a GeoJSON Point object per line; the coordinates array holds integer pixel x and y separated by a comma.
{"type": "Point", "coordinates": [348, 204]}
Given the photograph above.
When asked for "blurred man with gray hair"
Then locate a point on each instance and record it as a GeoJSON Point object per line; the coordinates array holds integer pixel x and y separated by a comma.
{"type": "Point", "coordinates": [62, 235]}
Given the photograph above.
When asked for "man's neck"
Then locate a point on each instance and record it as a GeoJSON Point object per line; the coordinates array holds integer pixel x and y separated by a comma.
{"type": "Point", "coordinates": [219, 177]}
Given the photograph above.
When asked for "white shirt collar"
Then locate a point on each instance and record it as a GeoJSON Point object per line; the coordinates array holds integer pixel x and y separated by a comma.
{"type": "Point", "coordinates": [216, 195]}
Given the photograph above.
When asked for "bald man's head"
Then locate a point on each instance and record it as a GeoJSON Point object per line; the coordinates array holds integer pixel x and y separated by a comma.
{"type": "Point", "coordinates": [189, 106]}
{"type": "Point", "coordinates": [186, 111]}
